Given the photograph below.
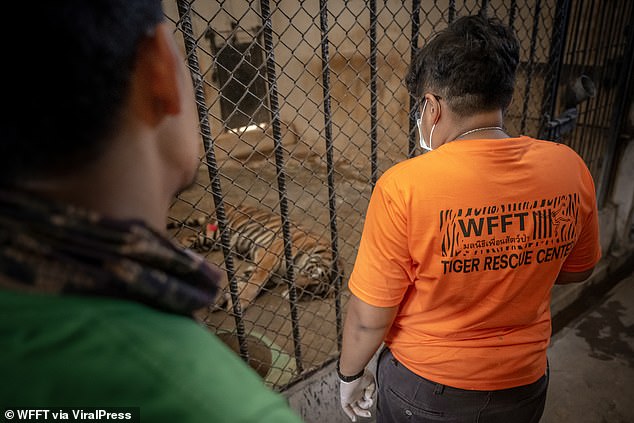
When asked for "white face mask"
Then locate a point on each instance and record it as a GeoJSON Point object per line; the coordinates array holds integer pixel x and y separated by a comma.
{"type": "Point", "coordinates": [419, 123]}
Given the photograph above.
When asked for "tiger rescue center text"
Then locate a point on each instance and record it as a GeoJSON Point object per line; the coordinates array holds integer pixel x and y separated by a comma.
{"type": "Point", "coordinates": [74, 414]}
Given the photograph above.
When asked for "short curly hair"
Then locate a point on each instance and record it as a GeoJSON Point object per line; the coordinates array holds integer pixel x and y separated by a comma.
{"type": "Point", "coordinates": [471, 64]}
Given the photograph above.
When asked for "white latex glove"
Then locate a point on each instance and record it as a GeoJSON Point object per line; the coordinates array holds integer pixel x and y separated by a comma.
{"type": "Point", "coordinates": [356, 396]}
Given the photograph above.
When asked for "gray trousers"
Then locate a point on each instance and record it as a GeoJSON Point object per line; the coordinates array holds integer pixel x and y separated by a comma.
{"type": "Point", "coordinates": [403, 396]}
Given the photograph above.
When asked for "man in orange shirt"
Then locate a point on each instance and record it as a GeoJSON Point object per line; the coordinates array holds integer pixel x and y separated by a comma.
{"type": "Point", "coordinates": [461, 248]}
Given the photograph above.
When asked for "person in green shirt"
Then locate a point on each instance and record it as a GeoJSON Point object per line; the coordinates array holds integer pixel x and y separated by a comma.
{"type": "Point", "coordinates": [96, 303]}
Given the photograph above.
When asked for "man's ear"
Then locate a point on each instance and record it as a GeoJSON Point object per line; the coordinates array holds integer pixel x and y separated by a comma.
{"type": "Point", "coordinates": [156, 87]}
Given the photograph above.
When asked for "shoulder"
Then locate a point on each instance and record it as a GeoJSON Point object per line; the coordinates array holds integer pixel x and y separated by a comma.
{"type": "Point", "coordinates": [414, 165]}
{"type": "Point", "coordinates": [570, 159]}
{"type": "Point", "coordinates": [566, 167]}
{"type": "Point", "coordinates": [555, 148]}
{"type": "Point", "coordinates": [413, 177]}
{"type": "Point", "coordinates": [108, 352]}
{"type": "Point", "coordinates": [403, 173]}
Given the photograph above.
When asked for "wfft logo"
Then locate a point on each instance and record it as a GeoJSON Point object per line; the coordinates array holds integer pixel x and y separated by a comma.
{"type": "Point", "coordinates": [508, 235]}
{"type": "Point", "coordinates": [476, 226]}
{"type": "Point", "coordinates": [32, 414]}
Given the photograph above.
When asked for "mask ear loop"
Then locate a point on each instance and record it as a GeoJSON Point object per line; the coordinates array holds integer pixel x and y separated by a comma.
{"type": "Point", "coordinates": [431, 134]}
{"type": "Point", "coordinates": [419, 123]}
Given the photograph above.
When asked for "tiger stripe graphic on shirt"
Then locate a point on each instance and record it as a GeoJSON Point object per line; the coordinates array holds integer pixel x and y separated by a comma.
{"type": "Point", "coordinates": [508, 235]}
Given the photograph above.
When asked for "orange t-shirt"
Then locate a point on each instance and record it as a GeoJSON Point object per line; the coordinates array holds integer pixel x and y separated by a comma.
{"type": "Point", "coordinates": [468, 239]}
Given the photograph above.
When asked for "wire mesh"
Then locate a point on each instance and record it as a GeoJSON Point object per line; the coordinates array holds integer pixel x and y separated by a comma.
{"type": "Point", "coordinates": [302, 106]}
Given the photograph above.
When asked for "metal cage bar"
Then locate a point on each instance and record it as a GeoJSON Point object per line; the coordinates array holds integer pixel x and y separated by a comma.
{"type": "Point", "coordinates": [625, 80]}
{"type": "Point", "coordinates": [512, 13]}
{"type": "Point", "coordinates": [184, 11]}
{"type": "Point", "coordinates": [531, 64]}
{"type": "Point", "coordinates": [451, 13]}
{"type": "Point", "coordinates": [281, 179]}
{"type": "Point", "coordinates": [413, 102]}
{"type": "Point", "coordinates": [556, 58]}
{"type": "Point", "coordinates": [332, 205]}
{"type": "Point", "coordinates": [618, 22]}
{"type": "Point", "coordinates": [484, 8]}
{"type": "Point", "coordinates": [373, 95]}
{"type": "Point", "coordinates": [584, 109]}
{"type": "Point", "coordinates": [590, 117]}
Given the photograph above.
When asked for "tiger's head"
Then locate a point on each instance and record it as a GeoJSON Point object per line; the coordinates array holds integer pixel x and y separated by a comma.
{"type": "Point", "coordinates": [204, 240]}
{"type": "Point", "coordinates": [315, 275]}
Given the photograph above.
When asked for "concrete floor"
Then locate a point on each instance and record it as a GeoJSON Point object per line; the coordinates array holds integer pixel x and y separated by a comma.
{"type": "Point", "coordinates": [592, 363]}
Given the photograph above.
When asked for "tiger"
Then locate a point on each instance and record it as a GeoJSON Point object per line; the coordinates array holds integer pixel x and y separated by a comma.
{"type": "Point", "coordinates": [256, 235]}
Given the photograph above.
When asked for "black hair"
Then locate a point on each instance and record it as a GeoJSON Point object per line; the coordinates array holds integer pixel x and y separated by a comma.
{"type": "Point", "coordinates": [69, 87]}
{"type": "Point", "coordinates": [471, 64]}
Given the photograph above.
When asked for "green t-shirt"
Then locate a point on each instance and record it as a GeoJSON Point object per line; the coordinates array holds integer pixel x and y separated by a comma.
{"type": "Point", "coordinates": [71, 351]}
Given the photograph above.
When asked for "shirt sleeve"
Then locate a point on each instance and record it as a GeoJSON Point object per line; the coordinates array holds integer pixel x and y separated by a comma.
{"type": "Point", "coordinates": [587, 251]}
{"type": "Point", "coordinates": [383, 267]}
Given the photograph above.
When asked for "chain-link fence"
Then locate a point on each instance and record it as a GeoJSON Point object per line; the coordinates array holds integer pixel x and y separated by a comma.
{"type": "Point", "coordinates": [302, 106]}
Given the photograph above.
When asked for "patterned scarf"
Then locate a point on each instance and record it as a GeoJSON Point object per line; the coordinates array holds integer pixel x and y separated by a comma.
{"type": "Point", "coordinates": [60, 249]}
